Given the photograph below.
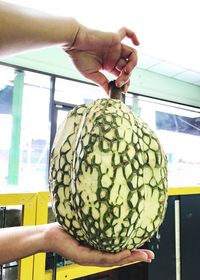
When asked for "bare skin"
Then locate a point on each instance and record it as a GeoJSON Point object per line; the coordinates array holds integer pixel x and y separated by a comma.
{"type": "Point", "coordinates": [24, 29]}
{"type": "Point", "coordinates": [20, 242]}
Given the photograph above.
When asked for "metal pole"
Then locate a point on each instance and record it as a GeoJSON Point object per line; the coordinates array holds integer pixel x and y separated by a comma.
{"type": "Point", "coordinates": [54, 270]}
{"type": "Point", "coordinates": [177, 239]}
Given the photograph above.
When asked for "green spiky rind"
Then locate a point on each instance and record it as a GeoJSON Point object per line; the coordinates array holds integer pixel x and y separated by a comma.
{"type": "Point", "coordinates": [115, 195]}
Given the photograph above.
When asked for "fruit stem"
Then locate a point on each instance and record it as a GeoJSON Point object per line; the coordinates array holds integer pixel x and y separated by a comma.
{"type": "Point", "coordinates": [115, 92]}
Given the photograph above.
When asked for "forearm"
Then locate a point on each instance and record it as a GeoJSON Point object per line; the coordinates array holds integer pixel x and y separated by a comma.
{"type": "Point", "coordinates": [26, 29]}
{"type": "Point", "coordinates": [20, 242]}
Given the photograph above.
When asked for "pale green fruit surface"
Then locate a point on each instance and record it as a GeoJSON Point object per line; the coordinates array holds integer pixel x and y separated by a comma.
{"type": "Point", "coordinates": [108, 177]}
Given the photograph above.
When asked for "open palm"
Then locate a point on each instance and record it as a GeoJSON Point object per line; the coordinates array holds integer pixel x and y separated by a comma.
{"type": "Point", "coordinates": [66, 246]}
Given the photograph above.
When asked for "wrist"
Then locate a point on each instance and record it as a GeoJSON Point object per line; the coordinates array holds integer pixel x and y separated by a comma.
{"type": "Point", "coordinates": [49, 237]}
{"type": "Point", "coordinates": [73, 27]}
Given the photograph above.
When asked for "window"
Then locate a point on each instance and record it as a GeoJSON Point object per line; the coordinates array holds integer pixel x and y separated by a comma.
{"type": "Point", "coordinates": [25, 113]}
{"type": "Point", "coordinates": [6, 100]}
{"type": "Point", "coordinates": [25, 130]}
{"type": "Point", "coordinates": [178, 129]}
{"type": "Point", "coordinates": [35, 132]}
{"type": "Point", "coordinates": [71, 92]}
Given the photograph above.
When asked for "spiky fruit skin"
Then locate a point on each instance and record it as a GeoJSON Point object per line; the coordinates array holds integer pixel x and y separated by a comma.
{"type": "Point", "coordinates": [108, 177]}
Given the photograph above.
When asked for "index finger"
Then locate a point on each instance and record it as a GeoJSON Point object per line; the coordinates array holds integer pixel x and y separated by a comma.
{"type": "Point", "coordinates": [125, 32]}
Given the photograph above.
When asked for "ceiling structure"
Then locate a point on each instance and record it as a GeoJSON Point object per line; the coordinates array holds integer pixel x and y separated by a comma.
{"type": "Point", "coordinates": [168, 69]}
{"type": "Point", "coordinates": [168, 30]}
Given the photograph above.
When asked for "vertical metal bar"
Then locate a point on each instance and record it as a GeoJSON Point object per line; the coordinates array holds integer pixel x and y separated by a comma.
{"type": "Point", "coordinates": [3, 223]}
{"type": "Point", "coordinates": [25, 271]}
{"type": "Point", "coordinates": [54, 270]}
{"type": "Point", "coordinates": [52, 112]}
{"type": "Point", "coordinates": [14, 155]}
{"type": "Point", "coordinates": [177, 239]}
{"type": "Point", "coordinates": [41, 218]}
{"type": "Point", "coordinates": [3, 210]}
{"type": "Point", "coordinates": [52, 118]}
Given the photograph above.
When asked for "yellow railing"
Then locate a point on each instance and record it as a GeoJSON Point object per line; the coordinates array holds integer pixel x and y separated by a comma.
{"type": "Point", "coordinates": [28, 203]}
{"type": "Point", "coordinates": [69, 272]}
{"type": "Point", "coordinates": [184, 190]}
{"type": "Point", "coordinates": [35, 211]}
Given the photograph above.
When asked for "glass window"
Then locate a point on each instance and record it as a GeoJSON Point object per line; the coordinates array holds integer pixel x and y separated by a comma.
{"type": "Point", "coordinates": [61, 115]}
{"type": "Point", "coordinates": [6, 98]}
{"type": "Point", "coordinates": [35, 132]}
{"type": "Point", "coordinates": [178, 129]}
{"type": "Point", "coordinates": [25, 130]}
{"type": "Point", "coordinates": [71, 92]}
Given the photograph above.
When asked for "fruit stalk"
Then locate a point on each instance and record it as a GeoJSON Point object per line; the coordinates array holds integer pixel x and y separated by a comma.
{"type": "Point", "coordinates": [115, 92]}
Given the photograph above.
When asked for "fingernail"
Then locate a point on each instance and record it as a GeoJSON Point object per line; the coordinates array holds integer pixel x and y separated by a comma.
{"type": "Point", "coordinates": [149, 260]}
{"type": "Point", "coordinates": [153, 256]}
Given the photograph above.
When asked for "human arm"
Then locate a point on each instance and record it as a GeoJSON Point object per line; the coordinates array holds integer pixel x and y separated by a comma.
{"type": "Point", "coordinates": [23, 29]}
{"type": "Point", "coordinates": [20, 242]}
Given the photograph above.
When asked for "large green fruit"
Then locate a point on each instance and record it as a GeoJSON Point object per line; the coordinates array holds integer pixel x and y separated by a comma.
{"type": "Point", "coordinates": [108, 177]}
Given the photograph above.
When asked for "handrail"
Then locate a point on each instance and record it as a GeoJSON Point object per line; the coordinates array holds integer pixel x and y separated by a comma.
{"type": "Point", "coordinates": [28, 203]}
{"type": "Point", "coordinates": [35, 212]}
